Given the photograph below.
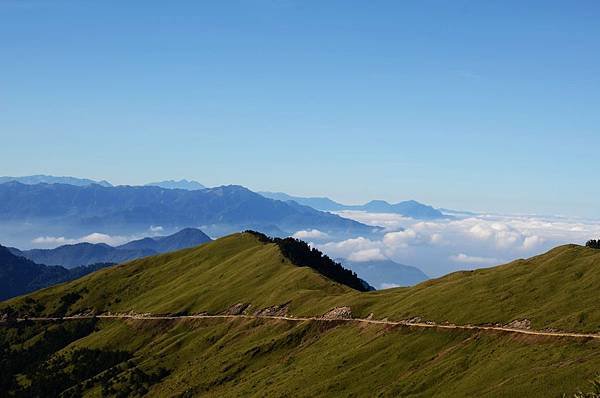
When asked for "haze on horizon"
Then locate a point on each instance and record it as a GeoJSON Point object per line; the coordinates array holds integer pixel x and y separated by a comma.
{"type": "Point", "coordinates": [465, 105]}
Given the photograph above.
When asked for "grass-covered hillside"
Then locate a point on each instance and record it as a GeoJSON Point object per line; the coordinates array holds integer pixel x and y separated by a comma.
{"type": "Point", "coordinates": [555, 290]}
{"type": "Point", "coordinates": [210, 278]}
{"type": "Point", "coordinates": [275, 358]}
{"type": "Point", "coordinates": [267, 357]}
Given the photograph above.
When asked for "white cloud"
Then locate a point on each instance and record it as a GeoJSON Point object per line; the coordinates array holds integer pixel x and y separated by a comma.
{"type": "Point", "coordinates": [388, 285]}
{"type": "Point", "coordinates": [156, 228]}
{"type": "Point", "coordinates": [96, 237]}
{"type": "Point", "coordinates": [310, 234]}
{"type": "Point", "coordinates": [355, 247]}
{"type": "Point", "coordinates": [366, 255]}
{"type": "Point", "coordinates": [389, 221]}
{"type": "Point", "coordinates": [466, 259]}
{"type": "Point", "coordinates": [52, 240]}
{"type": "Point", "coordinates": [481, 239]}
{"type": "Point", "coordinates": [402, 238]}
{"type": "Point", "coordinates": [532, 241]}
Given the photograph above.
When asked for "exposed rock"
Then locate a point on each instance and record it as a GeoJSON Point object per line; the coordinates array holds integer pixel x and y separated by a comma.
{"type": "Point", "coordinates": [238, 309]}
{"type": "Point", "coordinates": [551, 330]}
{"type": "Point", "coordinates": [339, 313]}
{"type": "Point", "coordinates": [520, 324]}
{"type": "Point", "coordinates": [276, 310]}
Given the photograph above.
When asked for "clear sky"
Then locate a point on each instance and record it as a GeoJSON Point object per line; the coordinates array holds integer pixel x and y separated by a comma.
{"type": "Point", "coordinates": [480, 105]}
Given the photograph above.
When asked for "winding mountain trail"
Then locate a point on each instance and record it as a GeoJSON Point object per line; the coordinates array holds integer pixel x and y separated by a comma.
{"type": "Point", "coordinates": [308, 319]}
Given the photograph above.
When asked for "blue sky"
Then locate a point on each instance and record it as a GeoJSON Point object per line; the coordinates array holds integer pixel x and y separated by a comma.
{"type": "Point", "coordinates": [467, 104]}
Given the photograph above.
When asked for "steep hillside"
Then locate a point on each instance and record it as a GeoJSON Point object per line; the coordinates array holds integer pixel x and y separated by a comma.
{"type": "Point", "coordinates": [554, 290]}
{"type": "Point", "coordinates": [249, 356]}
{"type": "Point", "coordinates": [210, 278]}
{"type": "Point", "coordinates": [264, 358]}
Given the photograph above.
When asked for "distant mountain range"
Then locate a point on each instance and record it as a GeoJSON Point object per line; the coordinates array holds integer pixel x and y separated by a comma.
{"type": "Point", "coordinates": [19, 275]}
{"type": "Point", "coordinates": [227, 208]}
{"type": "Point", "coordinates": [82, 254]}
{"type": "Point", "coordinates": [181, 184]}
{"type": "Point", "coordinates": [25, 271]}
{"type": "Point", "coordinates": [384, 274]}
{"type": "Point", "coordinates": [45, 179]}
{"type": "Point", "coordinates": [189, 185]}
{"type": "Point", "coordinates": [408, 208]}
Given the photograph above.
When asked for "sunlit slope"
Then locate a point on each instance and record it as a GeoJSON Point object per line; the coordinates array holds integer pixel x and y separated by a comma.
{"type": "Point", "coordinates": [559, 289]}
{"type": "Point", "coordinates": [267, 357]}
{"type": "Point", "coordinates": [210, 278]}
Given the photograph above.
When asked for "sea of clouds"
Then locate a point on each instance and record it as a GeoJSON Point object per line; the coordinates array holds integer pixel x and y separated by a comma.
{"type": "Point", "coordinates": [461, 242]}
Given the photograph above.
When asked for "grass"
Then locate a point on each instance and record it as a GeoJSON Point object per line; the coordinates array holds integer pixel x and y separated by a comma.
{"type": "Point", "coordinates": [554, 290]}
{"type": "Point", "coordinates": [277, 358]}
{"type": "Point", "coordinates": [272, 358]}
{"type": "Point", "coordinates": [211, 278]}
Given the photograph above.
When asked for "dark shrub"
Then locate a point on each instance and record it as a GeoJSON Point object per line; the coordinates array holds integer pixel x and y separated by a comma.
{"type": "Point", "coordinates": [593, 243]}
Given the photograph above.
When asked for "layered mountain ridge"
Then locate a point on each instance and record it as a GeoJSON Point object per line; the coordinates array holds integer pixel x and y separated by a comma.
{"type": "Point", "coordinates": [409, 208]}
{"type": "Point", "coordinates": [226, 208]}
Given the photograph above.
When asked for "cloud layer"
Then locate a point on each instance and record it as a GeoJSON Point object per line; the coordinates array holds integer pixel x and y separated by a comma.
{"type": "Point", "coordinates": [96, 237]}
{"type": "Point", "coordinates": [443, 246]}
{"type": "Point", "coordinates": [310, 234]}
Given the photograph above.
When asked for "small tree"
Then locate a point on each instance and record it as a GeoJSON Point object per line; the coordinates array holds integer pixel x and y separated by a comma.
{"type": "Point", "coordinates": [593, 243]}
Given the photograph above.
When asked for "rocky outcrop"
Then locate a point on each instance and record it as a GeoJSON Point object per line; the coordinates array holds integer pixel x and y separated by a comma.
{"type": "Point", "coordinates": [276, 310]}
{"type": "Point", "coordinates": [520, 324]}
{"type": "Point", "coordinates": [339, 313]}
{"type": "Point", "coordinates": [238, 309]}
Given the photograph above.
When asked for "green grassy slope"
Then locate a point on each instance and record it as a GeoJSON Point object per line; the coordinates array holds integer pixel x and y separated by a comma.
{"type": "Point", "coordinates": [209, 278]}
{"type": "Point", "coordinates": [267, 358]}
{"type": "Point", "coordinates": [274, 358]}
{"type": "Point", "coordinates": [244, 357]}
{"type": "Point", "coordinates": [553, 290]}
{"type": "Point", "coordinates": [558, 289]}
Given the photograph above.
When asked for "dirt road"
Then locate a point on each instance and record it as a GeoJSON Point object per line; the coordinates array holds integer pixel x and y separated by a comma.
{"type": "Point", "coordinates": [350, 320]}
